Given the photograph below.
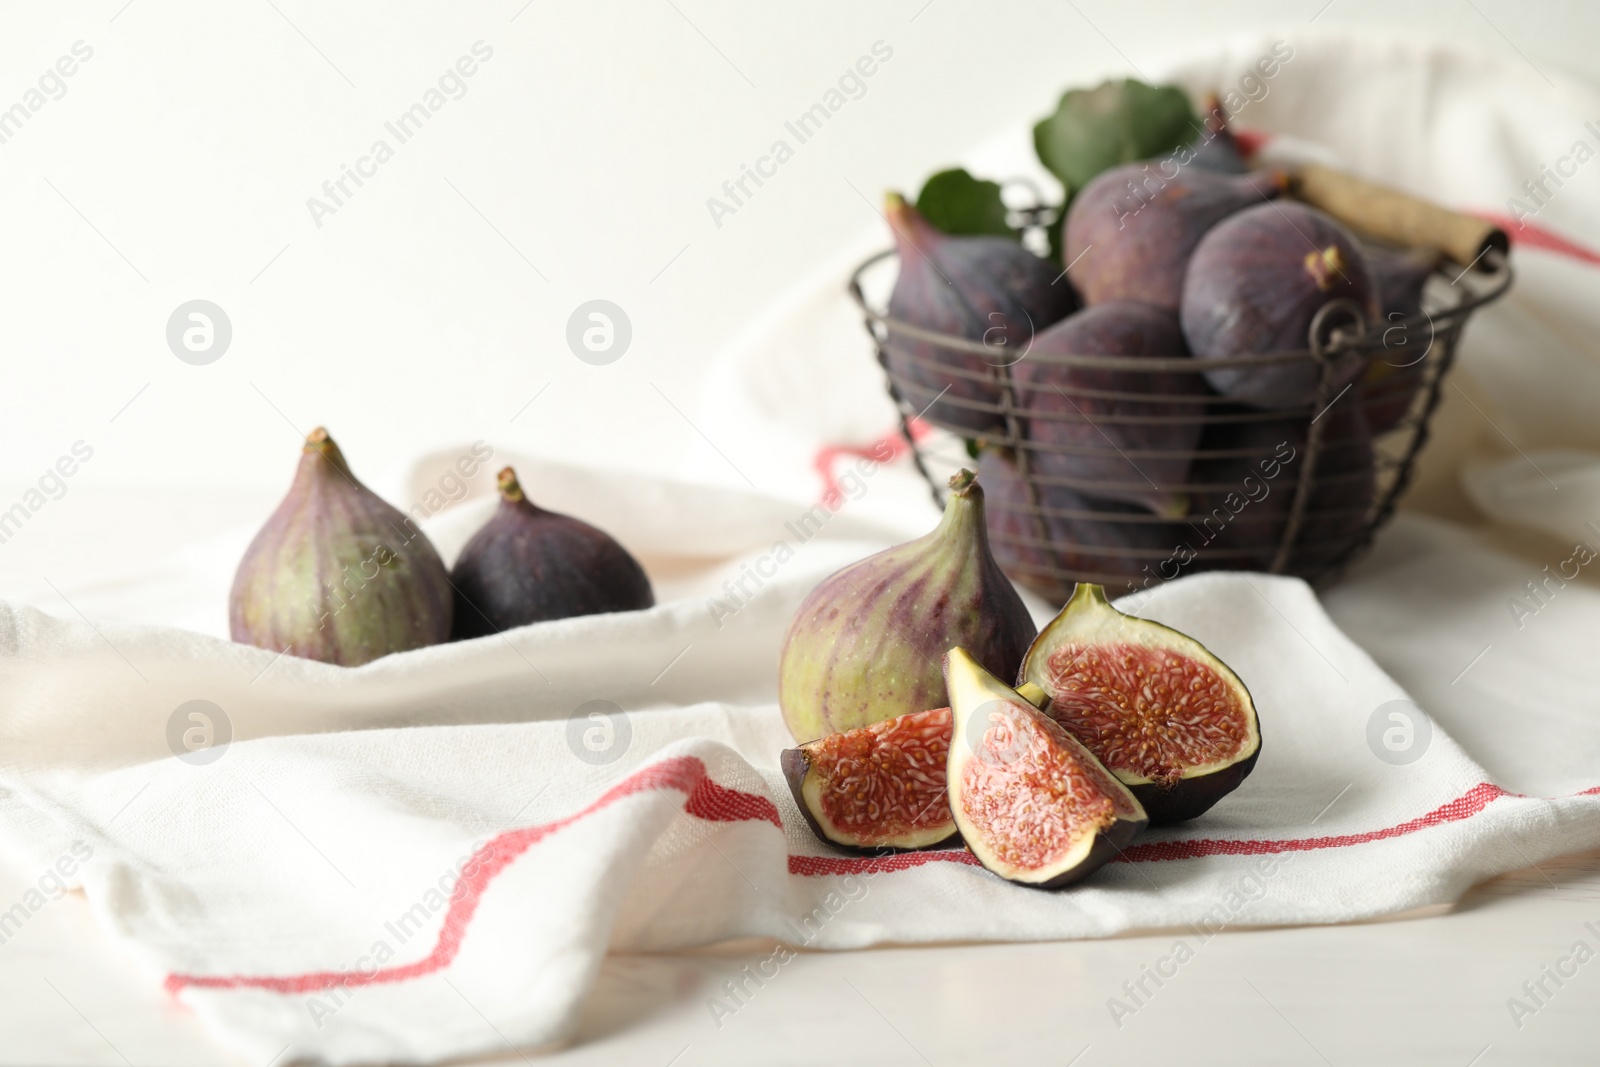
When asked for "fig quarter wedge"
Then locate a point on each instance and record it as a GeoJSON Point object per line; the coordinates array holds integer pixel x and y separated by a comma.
{"type": "Point", "coordinates": [1169, 719]}
{"type": "Point", "coordinates": [1032, 803]}
{"type": "Point", "coordinates": [880, 786]}
{"type": "Point", "coordinates": [876, 787]}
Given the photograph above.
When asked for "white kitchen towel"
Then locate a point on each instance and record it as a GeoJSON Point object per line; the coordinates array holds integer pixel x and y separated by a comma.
{"type": "Point", "coordinates": [441, 870]}
{"type": "Point", "coordinates": [427, 857]}
{"type": "Point", "coordinates": [1557, 492]}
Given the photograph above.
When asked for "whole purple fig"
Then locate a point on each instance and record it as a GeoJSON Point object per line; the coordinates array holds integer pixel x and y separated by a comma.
{"type": "Point", "coordinates": [985, 289]}
{"type": "Point", "coordinates": [1254, 284]}
{"type": "Point", "coordinates": [1084, 421]}
{"type": "Point", "coordinates": [1393, 377]}
{"type": "Point", "coordinates": [1244, 489]}
{"type": "Point", "coordinates": [867, 643]}
{"type": "Point", "coordinates": [531, 565]}
{"type": "Point", "coordinates": [1113, 544]}
{"type": "Point", "coordinates": [1131, 230]}
{"type": "Point", "coordinates": [1217, 148]}
{"type": "Point", "coordinates": [336, 574]}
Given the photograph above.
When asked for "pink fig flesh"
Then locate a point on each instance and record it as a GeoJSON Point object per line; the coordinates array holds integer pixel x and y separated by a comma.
{"type": "Point", "coordinates": [880, 786]}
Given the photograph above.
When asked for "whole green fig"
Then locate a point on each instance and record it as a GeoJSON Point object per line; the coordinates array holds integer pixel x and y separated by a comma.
{"type": "Point", "coordinates": [336, 574]}
{"type": "Point", "coordinates": [868, 643]}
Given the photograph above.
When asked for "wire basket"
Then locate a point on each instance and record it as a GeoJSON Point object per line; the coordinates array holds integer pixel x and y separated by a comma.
{"type": "Point", "coordinates": [1307, 504]}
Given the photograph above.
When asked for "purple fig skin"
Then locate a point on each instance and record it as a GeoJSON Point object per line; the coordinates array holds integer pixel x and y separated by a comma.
{"type": "Point", "coordinates": [987, 289]}
{"type": "Point", "coordinates": [336, 574]}
{"type": "Point", "coordinates": [1192, 797]}
{"type": "Point", "coordinates": [1254, 493]}
{"type": "Point", "coordinates": [1014, 535]}
{"type": "Point", "coordinates": [1059, 414]}
{"type": "Point", "coordinates": [1254, 284]}
{"type": "Point", "coordinates": [1392, 379]}
{"type": "Point", "coordinates": [867, 643]}
{"type": "Point", "coordinates": [1400, 275]}
{"type": "Point", "coordinates": [1130, 232]}
{"type": "Point", "coordinates": [530, 565]}
{"type": "Point", "coordinates": [1217, 149]}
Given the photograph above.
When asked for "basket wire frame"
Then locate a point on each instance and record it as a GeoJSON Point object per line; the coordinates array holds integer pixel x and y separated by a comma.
{"type": "Point", "coordinates": [1340, 340]}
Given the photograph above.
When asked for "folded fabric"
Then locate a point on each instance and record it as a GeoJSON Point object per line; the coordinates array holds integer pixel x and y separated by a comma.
{"type": "Point", "coordinates": [1557, 492]}
{"type": "Point", "coordinates": [412, 891]}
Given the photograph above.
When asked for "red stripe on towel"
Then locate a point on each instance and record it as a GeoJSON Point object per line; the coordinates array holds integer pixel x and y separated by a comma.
{"type": "Point", "coordinates": [1532, 235]}
{"type": "Point", "coordinates": [708, 800]}
{"type": "Point", "coordinates": [891, 446]}
{"type": "Point", "coordinates": [686, 774]}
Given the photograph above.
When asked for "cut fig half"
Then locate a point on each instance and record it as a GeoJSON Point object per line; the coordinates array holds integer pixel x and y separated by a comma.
{"type": "Point", "coordinates": [1169, 719]}
{"type": "Point", "coordinates": [1032, 803]}
{"type": "Point", "coordinates": [880, 786]}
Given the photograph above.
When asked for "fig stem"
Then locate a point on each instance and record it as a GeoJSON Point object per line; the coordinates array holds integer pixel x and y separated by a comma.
{"type": "Point", "coordinates": [1323, 264]}
{"type": "Point", "coordinates": [1176, 506]}
{"type": "Point", "coordinates": [911, 230]}
{"type": "Point", "coordinates": [318, 441]}
{"type": "Point", "coordinates": [962, 481]}
{"type": "Point", "coordinates": [510, 488]}
{"type": "Point", "coordinates": [963, 511]}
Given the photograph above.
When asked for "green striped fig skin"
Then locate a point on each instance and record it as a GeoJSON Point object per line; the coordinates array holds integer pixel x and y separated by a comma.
{"type": "Point", "coordinates": [868, 643]}
{"type": "Point", "coordinates": [336, 574]}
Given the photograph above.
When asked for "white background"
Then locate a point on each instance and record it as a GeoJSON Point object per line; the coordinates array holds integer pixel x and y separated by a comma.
{"type": "Point", "coordinates": [591, 141]}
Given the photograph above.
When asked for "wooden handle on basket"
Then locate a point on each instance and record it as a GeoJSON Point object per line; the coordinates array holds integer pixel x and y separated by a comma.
{"type": "Point", "coordinates": [1400, 218]}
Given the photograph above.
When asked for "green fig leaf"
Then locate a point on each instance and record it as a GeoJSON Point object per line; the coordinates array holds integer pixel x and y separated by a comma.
{"type": "Point", "coordinates": [958, 204]}
{"type": "Point", "coordinates": [1116, 122]}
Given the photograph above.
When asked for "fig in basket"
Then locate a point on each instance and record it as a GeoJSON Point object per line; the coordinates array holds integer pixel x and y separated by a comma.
{"type": "Point", "coordinates": [531, 565]}
{"type": "Point", "coordinates": [1124, 433]}
{"type": "Point", "coordinates": [1244, 488]}
{"type": "Point", "coordinates": [1255, 283]}
{"type": "Point", "coordinates": [1169, 719]}
{"type": "Point", "coordinates": [1217, 148]}
{"type": "Point", "coordinates": [866, 643]}
{"type": "Point", "coordinates": [1032, 803]}
{"type": "Point", "coordinates": [988, 290]}
{"type": "Point", "coordinates": [336, 574]}
{"type": "Point", "coordinates": [880, 786]}
{"type": "Point", "coordinates": [1114, 543]}
{"type": "Point", "coordinates": [1130, 232]}
{"type": "Point", "coordinates": [1392, 378]}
